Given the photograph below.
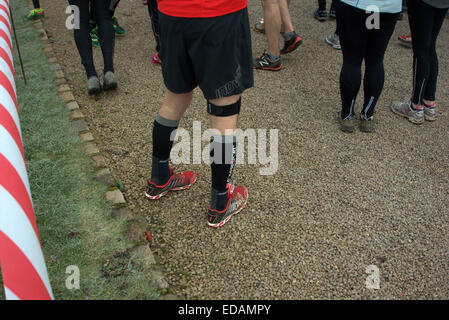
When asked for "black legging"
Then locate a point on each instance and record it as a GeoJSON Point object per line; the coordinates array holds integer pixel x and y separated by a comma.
{"type": "Point", "coordinates": [322, 4]}
{"type": "Point", "coordinates": [105, 31]}
{"type": "Point", "coordinates": [358, 43]}
{"type": "Point", "coordinates": [36, 4]}
{"type": "Point", "coordinates": [154, 16]}
{"type": "Point", "coordinates": [425, 24]}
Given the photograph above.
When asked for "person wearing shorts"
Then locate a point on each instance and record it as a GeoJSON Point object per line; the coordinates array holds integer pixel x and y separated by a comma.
{"type": "Point", "coordinates": [204, 44]}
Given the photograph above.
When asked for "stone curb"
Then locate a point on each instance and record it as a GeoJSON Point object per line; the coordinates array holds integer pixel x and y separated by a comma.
{"type": "Point", "coordinates": [141, 252]}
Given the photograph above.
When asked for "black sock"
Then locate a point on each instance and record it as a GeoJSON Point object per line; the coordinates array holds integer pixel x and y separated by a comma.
{"type": "Point", "coordinates": [223, 158]}
{"type": "Point", "coordinates": [162, 144]}
{"type": "Point", "coordinates": [218, 199]}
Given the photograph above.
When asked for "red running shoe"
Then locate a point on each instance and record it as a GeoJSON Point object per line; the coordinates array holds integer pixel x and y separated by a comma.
{"type": "Point", "coordinates": [406, 40]}
{"type": "Point", "coordinates": [237, 200]}
{"type": "Point", "coordinates": [156, 59]}
{"type": "Point", "coordinates": [177, 181]}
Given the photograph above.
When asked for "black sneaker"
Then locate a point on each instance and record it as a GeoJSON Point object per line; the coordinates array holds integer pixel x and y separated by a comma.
{"type": "Point", "coordinates": [320, 15]}
{"type": "Point", "coordinates": [265, 63]}
{"type": "Point", "coordinates": [292, 44]}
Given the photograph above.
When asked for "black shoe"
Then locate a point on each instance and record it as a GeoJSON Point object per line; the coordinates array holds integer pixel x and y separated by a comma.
{"type": "Point", "coordinates": [265, 63]}
{"type": "Point", "coordinates": [292, 44]}
{"type": "Point", "coordinates": [332, 13]}
{"type": "Point", "coordinates": [320, 15]}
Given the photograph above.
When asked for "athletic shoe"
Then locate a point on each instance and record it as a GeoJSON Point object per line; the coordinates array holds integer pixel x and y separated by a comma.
{"type": "Point", "coordinates": [178, 181]}
{"type": "Point", "coordinates": [109, 81]}
{"type": "Point", "coordinates": [430, 112]}
{"type": "Point", "coordinates": [404, 109]}
{"type": "Point", "coordinates": [94, 37]}
{"type": "Point", "coordinates": [237, 200]}
{"type": "Point", "coordinates": [320, 15]}
{"type": "Point", "coordinates": [156, 59]}
{"type": "Point", "coordinates": [265, 63]}
{"type": "Point", "coordinates": [366, 124]}
{"type": "Point", "coordinates": [93, 85]}
{"type": "Point", "coordinates": [406, 40]}
{"type": "Point", "coordinates": [260, 26]}
{"type": "Point", "coordinates": [334, 41]}
{"type": "Point", "coordinates": [118, 30]}
{"type": "Point", "coordinates": [332, 13]}
{"type": "Point", "coordinates": [35, 14]}
{"type": "Point", "coordinates": [291, 45]}
{"type": "Point", "coordinates": [347, 124]}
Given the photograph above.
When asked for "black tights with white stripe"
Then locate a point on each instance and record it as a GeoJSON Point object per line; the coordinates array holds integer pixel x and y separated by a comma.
{"type": "Point", "coordinates": [425, 24]}
{"type": "Point", "coordinates": [360, 44]}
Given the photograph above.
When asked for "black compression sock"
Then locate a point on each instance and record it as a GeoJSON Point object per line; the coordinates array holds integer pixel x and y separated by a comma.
{"type": "Point", "coordinates": [218, 199]}
{"type": "Point", "coordinates": [163, 130]}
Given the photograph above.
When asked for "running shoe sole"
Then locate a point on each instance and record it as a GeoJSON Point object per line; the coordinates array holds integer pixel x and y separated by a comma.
{"type": "Point", "coordinates": [270, 69]}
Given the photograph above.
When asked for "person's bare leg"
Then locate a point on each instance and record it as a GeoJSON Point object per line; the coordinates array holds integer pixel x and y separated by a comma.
{"type": "Point", "coordinates": [285, 16]}
{"type": "Point", "coordinates": [272, 18]}
{"type": "Point", "coordinates": [175, 105]}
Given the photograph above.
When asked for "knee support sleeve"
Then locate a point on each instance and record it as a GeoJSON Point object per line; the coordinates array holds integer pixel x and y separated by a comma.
{"type": "Point", "coordinates": [224, 111]}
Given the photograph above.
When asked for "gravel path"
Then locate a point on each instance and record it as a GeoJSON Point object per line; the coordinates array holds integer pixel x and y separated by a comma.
{"type": "Point", "coordinates": [338, 203]}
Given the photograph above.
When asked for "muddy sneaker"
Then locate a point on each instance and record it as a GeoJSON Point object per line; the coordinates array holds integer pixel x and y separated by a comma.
{"type": "Point", "coordinates": [237, 200]}
{"type": "Point", "coordinates": [366, 124]}
{"type": "Point", "coordinates": [93, 85]}
{"type": "Point", "coordinates": [178, 181]}
{"type": "Point", "coordinates": [430, 112]}
{"type": "Point", "coordinates": [320, 15]}
{"type": "Point", "coordinates": [109, 82]}
{"type": "Point", "coordinates": [264, 62]}
{"type": "Point", "coordinates": [405, 109]}
{"type": "Point", "coordinates": [35, 14]}
{"type": "Point", "coordinates": [406, 40]}
{"type": "Point", "coordinates": [291, 44]}
{"type": "Point", "coordinates": [334, 41]}
{"type": "Point", "coordinates": [347, 124]}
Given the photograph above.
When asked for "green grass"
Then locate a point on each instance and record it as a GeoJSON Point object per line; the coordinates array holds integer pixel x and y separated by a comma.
{"type": "Point", "coordinates": [74, 220]}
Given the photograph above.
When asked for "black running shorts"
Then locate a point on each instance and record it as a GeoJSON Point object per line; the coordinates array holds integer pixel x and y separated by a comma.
{"type": "Point", "coordinates": [212, 53]}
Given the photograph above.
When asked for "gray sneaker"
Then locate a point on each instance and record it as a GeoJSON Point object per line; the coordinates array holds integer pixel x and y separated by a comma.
{"type": "Point", "coordinates": [93, 85]}
{"type": "Point", "coordinates": [366, 124]}
{"type": "Point", "coordinates": [430, 113]}
{"type": "Point", "coordinates": [334, 41]}
{"type": "Point", "coordinates": [110, 82]}
{"type": "Point", "coordinates": [347, 124]}
{"type": "Point", "coordinates": [404, 109]}
{"type": "Point", "coordinates": [260, 26]}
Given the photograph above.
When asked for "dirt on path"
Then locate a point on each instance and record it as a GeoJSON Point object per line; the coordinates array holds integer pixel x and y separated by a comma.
{"type": "Point", "coordinates": [337, 204]}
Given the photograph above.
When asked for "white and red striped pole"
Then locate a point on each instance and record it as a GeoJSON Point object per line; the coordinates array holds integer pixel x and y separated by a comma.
{"type": "Point", "coordinates": [22, 261]}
